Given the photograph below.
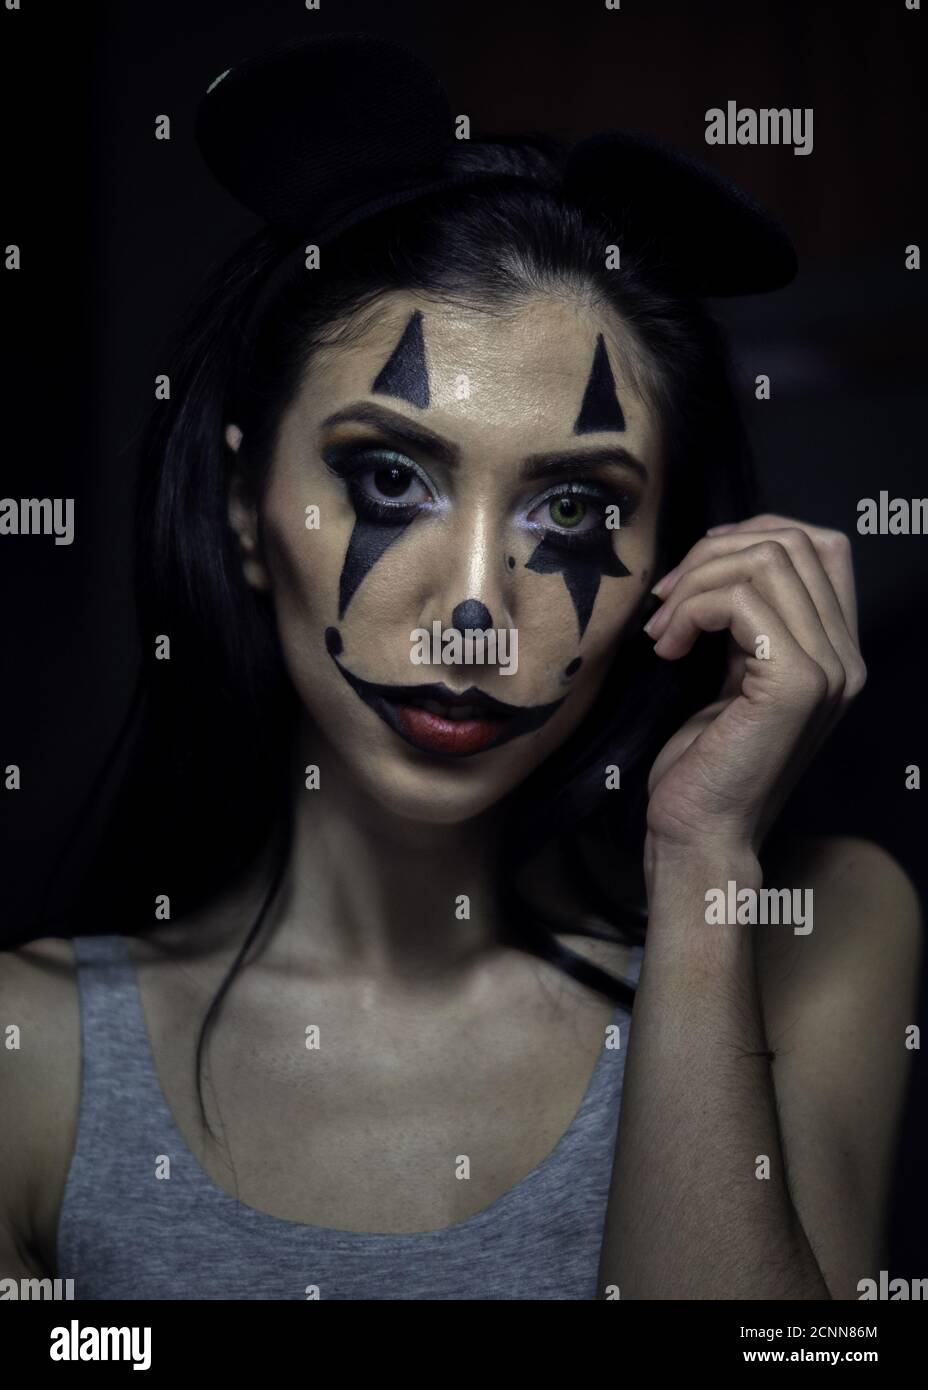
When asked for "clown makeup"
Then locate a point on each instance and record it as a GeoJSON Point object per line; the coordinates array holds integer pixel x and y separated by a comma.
{"type": "Point", "coordinates": [600, 412]}
{"type": "Point", "coordinates": [404, 374]}
{"type": "Point", "coordinates": [472, 473]}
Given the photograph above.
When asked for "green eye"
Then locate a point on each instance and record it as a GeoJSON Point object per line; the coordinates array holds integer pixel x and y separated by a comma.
{"type": "Point", "coordinates": [567, 511]}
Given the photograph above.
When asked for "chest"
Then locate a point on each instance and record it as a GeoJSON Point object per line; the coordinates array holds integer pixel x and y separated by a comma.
{"type": "Point", "coordinates": [371, 1115]}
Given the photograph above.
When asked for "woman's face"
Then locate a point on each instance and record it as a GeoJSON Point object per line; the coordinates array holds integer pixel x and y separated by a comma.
{"type": "Point", "coordinates": [445, 473]}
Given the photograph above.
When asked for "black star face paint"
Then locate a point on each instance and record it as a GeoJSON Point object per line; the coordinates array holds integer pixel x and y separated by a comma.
{"type": "Point", "coordinates": [583, 556]}
{"type": "Point", "coordinates": [582, 568]}
{"type": "Point", "coordinates": [404, 374]}
{"type": "Point", "coordinates": [600, 410]}
{"type": "Point", "coordinates": [577, 543]}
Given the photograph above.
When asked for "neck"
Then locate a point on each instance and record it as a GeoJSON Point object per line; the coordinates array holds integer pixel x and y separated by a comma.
{"type": "Point", "coordinates": [366, 892]}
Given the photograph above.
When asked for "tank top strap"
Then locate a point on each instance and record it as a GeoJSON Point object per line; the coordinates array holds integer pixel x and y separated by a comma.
{"type": "Point", "coordinates": [123, 1130]}
{"type": "Point", "coordinates": [118, 1089]}
{"type": "Point", "coordinates": [593, 1128]}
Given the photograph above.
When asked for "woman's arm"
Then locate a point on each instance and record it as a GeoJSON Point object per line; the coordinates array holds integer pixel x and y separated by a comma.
{"type": "Point", "coordinates": [736, 1177]}
{"type": "Point", "coordinates": [694, 1212]}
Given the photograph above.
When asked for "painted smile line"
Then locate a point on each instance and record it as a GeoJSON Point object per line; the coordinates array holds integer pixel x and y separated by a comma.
{"type": "Point", "coordinates": [438, 720]}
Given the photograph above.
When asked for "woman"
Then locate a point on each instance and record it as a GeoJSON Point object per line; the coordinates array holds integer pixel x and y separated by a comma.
{"type": "Point", "coordinates": [346, 1010]}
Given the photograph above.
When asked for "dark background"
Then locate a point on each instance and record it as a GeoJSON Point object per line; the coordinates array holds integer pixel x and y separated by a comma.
{"type": "Point", "coordinates": [117, 230]}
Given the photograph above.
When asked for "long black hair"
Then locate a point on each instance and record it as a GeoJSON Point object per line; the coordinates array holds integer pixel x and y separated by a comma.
{"type": "Point", "coordinates": [207, 787]}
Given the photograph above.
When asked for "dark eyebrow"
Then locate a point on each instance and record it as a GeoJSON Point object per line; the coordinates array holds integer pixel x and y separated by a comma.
{"type": "Point", "coordinates": [405, 431]}
{"type": "Point", "coordinates": [398, 427]}
{"type": "Point", "coordinates": [541, 465]}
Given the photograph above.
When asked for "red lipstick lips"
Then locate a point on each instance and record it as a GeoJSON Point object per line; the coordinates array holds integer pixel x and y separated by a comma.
{"type": "Point", "coordinates": [444, 722]}
{"type": "Point", "coordinates": [436, 733]}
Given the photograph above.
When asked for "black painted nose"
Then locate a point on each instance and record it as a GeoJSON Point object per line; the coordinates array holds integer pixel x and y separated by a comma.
{"type": "Point", "coordinates": [471, 614]}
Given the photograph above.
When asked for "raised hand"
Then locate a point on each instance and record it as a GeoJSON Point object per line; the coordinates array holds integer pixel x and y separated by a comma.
{"type": "Point", "coordinates": [785, 592]}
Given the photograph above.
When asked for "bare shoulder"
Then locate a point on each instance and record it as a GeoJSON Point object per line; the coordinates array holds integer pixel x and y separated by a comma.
{"type": "Point", "coordinates": [39, 1084]}
{"type": "Point", "coordinates": [829, 859]}
{"type": "Point", "coordinates": [864, 926]}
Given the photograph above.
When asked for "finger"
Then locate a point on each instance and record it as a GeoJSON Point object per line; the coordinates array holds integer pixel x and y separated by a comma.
{"type": "Point", "coordinates": [769, 567]}
{"type": "Point", "coordinates": [833, 549]}
{"type": "Point", "coordinates": [740, 608]}
{"type": "Point", "coordinates": [811, 571]}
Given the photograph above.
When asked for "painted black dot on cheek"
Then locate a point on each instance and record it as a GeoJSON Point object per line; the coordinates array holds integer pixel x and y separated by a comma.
{"type": "Point", "coordinates": [574, 666]}
{"type": "Point", "coordinates": [333, 641]}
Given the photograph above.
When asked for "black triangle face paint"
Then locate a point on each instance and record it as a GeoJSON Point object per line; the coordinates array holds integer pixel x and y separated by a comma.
{"type": "Point", "coordinates": [404, 374]}
{"type": "Point", "coordinates": [368, 542]}
{"type": "Point", "coordinates": [600, 409]}
{"type": "Point", "coordinates": [582, 572]}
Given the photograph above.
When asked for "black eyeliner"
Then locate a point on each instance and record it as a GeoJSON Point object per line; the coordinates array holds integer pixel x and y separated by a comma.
{"type": "Point", "coordinates": [348, 461]}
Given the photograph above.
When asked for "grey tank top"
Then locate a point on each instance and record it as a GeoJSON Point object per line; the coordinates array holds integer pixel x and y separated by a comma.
{"type": "Point", "coordinates": [126, 1233]}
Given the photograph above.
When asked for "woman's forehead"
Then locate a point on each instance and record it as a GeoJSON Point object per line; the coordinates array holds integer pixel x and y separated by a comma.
{"type": "Point", "coordinates": [548, 366]}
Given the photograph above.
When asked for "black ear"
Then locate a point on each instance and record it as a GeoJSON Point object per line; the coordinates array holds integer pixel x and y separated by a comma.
{"type": "Point", "coordinates": [710, 236]}
{"type": "Point", "coordinates": [323, 132]}
{"type": "Point", "coordinates": [306, 133]}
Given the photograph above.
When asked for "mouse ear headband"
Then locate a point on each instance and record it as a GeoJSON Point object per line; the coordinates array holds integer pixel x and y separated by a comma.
{"type": "Point", "coordinates": [321, 134]}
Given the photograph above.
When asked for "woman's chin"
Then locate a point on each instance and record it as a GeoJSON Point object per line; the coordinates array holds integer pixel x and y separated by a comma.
{"type": "Point", "coordinates": [433, 792]}
{"type": "Point", "coordinates": [408, 784]}
{"type": "Point", "coordinates": [436, 776]}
